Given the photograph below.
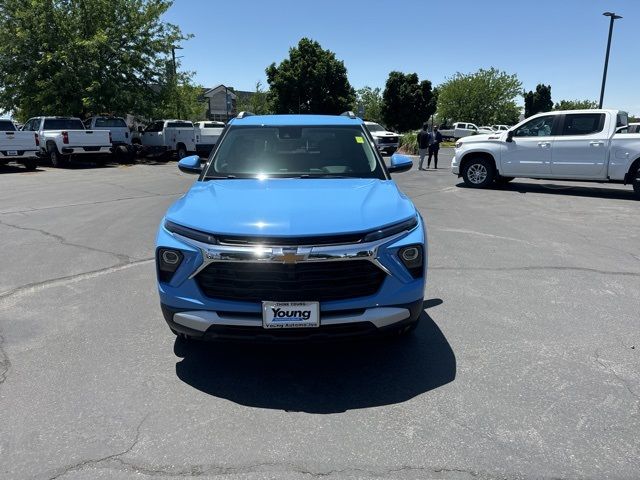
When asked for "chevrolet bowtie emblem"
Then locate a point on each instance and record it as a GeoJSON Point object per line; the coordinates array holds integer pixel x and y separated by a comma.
{"type": "Point", "coordinates": [290, 256]}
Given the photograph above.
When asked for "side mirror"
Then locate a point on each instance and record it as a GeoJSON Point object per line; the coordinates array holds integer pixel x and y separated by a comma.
{"type": "Point", "coordinates": [400, 163]}
{"type": "Point", "coordinates": [510, 136]}
{"type": "Point", "coordinates": [190, 164]}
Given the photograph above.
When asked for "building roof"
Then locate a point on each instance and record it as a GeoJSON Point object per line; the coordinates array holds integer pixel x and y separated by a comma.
{"type": "Point", "coordinates": [296, 120]}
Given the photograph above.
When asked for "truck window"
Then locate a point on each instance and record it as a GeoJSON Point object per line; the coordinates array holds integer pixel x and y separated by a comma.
{"type": "Point", "coordinates": [212, 125]}
{"type": "Point", "coordinates": [154, 127]}
{"type": "Point", "coordinates": [63, 124]}
{"type": "Point", "coordinates": [110, 122]}
{"type": "Point", "coordinates": [583, 123]}
{"type": "Point", "coordinates": [179, 125]}
{"type": "Point", "coordinates": [7, 126]}
{"type": "Point", "coordinates": [538, 127]}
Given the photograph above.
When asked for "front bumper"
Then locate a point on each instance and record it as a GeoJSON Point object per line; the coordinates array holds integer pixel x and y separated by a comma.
{"type": "Point", "coordinates": [455, 164]}
{"type": "Point", "coordinates": [397, 301]}
{"type": "Point", "coordinates": [208, 325]}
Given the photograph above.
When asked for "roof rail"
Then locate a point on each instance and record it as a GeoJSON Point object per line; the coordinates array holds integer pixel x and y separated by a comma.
{"type": "Point", "coordinates": [348, 113]}
{"type": "Point", "coordinates": [241, 115]}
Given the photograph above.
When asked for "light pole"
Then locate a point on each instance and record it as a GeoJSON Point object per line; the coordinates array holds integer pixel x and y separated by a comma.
{"type": "Point", "coordinates": [175, 78]}
{"type": "Point", "coordinates": [613, 17]}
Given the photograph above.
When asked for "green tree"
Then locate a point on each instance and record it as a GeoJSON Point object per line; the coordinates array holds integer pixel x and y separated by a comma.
{"type": "Point", "coordinates": [575, 105]}
{"type": "Point", "coordinates": [311, 80]}
{"type": "Point", "coordinates": [538, 101]}
{"type": "Point", "coordinates": [257, 103]}
{"type": "Point", "coordinates": [182, 100]}
{"type": "Point", "coordinates": [407, 102]}
{"type": "Point", "coordinates": [485, 97]}
{"type": "Point", "coordinates": [370, 99]}
{"type": "Point", "coordinates": [75, 57]}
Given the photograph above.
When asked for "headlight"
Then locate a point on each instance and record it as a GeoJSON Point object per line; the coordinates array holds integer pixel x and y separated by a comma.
{"type": "Point", "coordinates": [392, 230]}
{"type": "Point", "coordinates": [458, 144]}
{"type": "Point", "coordinates": [197, 235]}
{"type": "Point", "coordinates": [412, 258]}
{"type": "Point", "coordinates": [168, 260]}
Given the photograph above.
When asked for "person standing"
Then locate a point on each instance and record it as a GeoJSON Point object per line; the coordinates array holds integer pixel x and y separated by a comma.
{"type": "Point", "coordinates": [423, 144]}
{"type": "Point", "coordinates": [435, 138]}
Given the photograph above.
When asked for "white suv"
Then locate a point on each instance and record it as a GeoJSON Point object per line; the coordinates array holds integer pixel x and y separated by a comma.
{"type": "Point", "coordinates": [386, 141]}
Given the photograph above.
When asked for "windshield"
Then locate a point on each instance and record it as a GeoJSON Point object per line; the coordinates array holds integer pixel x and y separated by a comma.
{"type": "Point", "coordinates": [63, 124]}
{"type": "Point", "coordinates": [296, 151]}
{"type": "Point", "coordinates": [110, 122]}
{"type": "Point", "coordinates": [212, 125]}
{"type": "Point", "coordinates": [7, 126]}
{"type": "Point", "coordinates": [375, 127]}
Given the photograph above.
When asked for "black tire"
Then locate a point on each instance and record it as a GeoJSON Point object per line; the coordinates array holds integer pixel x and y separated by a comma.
{"type": "Point", "coordinates": [500, 180]}
{"type": "Point", "coordinates": [636, 183]}
{"type": "Point", "coordinates": [57, 159]}
{"type": "Point", "coordinates": [478, 172]}
{"type": "Point", "coordinates": [30, 164]}
{"type": "Point", "coordinates": [182, 151]}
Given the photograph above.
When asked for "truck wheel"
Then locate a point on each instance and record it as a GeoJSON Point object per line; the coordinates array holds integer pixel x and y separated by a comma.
{"type": "Point", "coordinates": [636, 183]}
{"type": "Point", "coordinates": [500, 180]}
{"type": "Point", "coordinates": [57, 160]}
{"type": "Point", "coordinates": [478, 173]}
{"type": "Point", "coordinates": [182, 151]}
{"type": "Point", "coordinates": [31, 164]}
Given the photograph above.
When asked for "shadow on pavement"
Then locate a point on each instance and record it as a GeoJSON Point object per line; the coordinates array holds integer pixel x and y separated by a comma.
{"type": "Point", "coordinates": [17, 169]}
{"type": "Point", "coordinates": [569, 190]}
{"type": "Point", "coordinates": [324, 377]}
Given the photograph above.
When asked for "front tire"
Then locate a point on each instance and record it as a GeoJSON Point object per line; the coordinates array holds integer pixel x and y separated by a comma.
{"type": "Point", "coordinates": [478, 173]}
{"type": "Point", "coordinates": [636, 183]}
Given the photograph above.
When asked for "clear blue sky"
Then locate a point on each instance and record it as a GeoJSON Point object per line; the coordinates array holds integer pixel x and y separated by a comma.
{"type": "Point", "coordinates": [557, 42]}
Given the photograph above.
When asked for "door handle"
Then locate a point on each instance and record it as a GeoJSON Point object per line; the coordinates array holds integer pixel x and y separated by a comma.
{"type": "Point", "coordinates": [596, 143]}
{"type": "Point", "coordinates": [544, 144]}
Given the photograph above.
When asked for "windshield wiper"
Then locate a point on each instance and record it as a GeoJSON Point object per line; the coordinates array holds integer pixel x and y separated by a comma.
{"type": "Point", "coordinates": [220, 177]}
{"type": "Point", "coordinates": [326, 175]}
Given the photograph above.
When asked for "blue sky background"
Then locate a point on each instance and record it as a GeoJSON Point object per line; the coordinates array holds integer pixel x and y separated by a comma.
{"type": "Point", "coordinates": [557, 42]}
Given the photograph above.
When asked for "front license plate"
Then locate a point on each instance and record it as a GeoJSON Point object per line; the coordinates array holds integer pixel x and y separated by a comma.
{"type": "Point", "coordinates": [12, 153]}
{"type": "Point", "coordinates": [290, 314]}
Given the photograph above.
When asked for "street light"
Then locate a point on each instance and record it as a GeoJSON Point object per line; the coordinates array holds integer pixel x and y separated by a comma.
{"type": "Point", "coordinates": [613, 17]}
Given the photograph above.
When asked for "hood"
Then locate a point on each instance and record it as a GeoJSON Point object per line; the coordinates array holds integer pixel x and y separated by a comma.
{"type": "Point", "coordinates": [291, 207]}
{"type": "Point", "coordinates": [480, 138]}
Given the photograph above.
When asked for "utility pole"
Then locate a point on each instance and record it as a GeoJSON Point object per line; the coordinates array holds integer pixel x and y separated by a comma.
{"type": "Point", "coordinates": [175, 80]}
{"type": "Point", "coordinates": [613, 17]}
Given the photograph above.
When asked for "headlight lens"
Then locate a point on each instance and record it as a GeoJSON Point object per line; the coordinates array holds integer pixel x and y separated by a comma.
{"type": "Point", "coordinates": [392, 230]}
{"type": "Point", "coordinates": [197, 235]}
{"type": "Point", "coordinates": [413, 258]}
{"type": "Point", "coordinates": [168, 260]}
{"type": "Point", "coordinates": [458, 144]}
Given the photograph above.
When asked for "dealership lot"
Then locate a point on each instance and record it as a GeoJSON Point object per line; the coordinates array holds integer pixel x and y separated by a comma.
{"type": "Point", "coordinates": [525, 364]}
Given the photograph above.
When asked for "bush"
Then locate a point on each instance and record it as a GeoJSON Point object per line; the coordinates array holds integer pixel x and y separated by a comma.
{"type": "Point", "coordinates": [409, 143]}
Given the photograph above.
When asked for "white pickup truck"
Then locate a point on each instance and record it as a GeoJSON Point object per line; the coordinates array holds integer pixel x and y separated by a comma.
{"type": "Point", "coordinates": [123, 150]}
{"type": "Point", "coordinates": [207, 135]}
{"type": "Point", "coordinates": [565, 145]}
{"type": "Point", "coordinates": [15, 146]}
{"type": "Point", "coordinates": [461, 130]}
{"type": "Point", "coordinates": [62, 138]}
{"type": "Point", "coordinates": [165, 137]}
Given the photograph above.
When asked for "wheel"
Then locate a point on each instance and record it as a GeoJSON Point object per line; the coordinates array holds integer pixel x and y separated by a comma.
{"type": "Point", "coordinates": [182, 152]}
{"type": "Point", "coordinates": [636, 183]}
{"type": "Point", "coordinates": [57, 160]}
{"type": "Point", "coordinates": [478, 173]}
{"type": "Point", "coordinates": [500, 180]}
{"type": "Point", "coordinates": [30, 164]}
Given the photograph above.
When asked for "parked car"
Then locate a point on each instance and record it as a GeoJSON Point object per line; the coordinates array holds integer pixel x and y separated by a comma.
{"type": "Point", "coordinates": [386, 141]}
{"type": "Point", "coordinates": [459, 130]}
{"type": "Point", "coordinates": [64, 138]}
{"type": "Point", "coordinates": [166, 137]}
{"type": "Point", "coordinates": [16, 146]}
{"type": "Point", "coordinates": [120, 135]}
{"type": "Point", "coordinates": [293, 230]}
{"type": "Point", "coordinates": [207, 134]}
{"type": "Point", "coordinates": [499, 128]}
{"type": "Point", "coordinates": [568, 145]}
{"type": "Point", "coordinates": [485, 129]}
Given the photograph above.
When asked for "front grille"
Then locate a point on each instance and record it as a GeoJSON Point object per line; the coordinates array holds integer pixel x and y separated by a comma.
{"type": "Point", "coordinates": [388, 140]}
{"type": "Point", "coordinates": [306, 281]}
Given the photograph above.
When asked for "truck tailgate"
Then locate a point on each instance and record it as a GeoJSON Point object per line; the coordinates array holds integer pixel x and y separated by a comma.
{"type": "Point", "coordinates": [208, 135]}
{"type": "Point", "coordinates": [88, 138]}
{"type": "Point", "coordinates": [19, 141]}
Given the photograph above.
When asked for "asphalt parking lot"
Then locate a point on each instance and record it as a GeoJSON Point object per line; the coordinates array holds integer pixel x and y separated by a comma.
{"type": "Point", "coordinates": [525, 365]}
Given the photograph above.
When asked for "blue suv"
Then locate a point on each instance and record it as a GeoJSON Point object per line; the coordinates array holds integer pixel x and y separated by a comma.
{"type": "Point", "coordinates": [294, 230]}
